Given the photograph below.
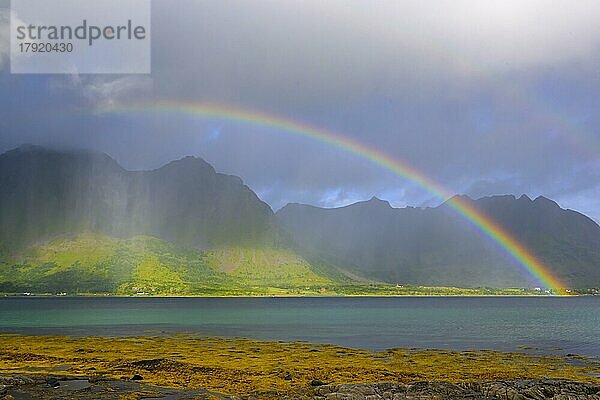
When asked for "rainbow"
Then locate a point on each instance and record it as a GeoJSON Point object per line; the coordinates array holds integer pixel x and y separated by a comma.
{"type": "Point", "coordinates": [464, 207]}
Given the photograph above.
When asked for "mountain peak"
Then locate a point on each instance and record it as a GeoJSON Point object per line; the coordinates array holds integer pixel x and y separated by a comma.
{"type": "Point", "coordinates": [459, 197]}
{"type": "Point", "coordinates": [544, 201]}
{"type": "Point", "coordinates": [377, 202]}
{"type": "Point", "coordinates": [188, 163]}
{"type": "Point", "coordinates": [524, 198]}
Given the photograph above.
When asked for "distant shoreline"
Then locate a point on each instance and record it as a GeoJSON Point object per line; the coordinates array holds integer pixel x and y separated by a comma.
{"type": "Point", "coordinates": [90, 295]}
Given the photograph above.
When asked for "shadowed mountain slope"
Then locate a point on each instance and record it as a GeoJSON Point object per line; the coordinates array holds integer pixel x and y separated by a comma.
{"type": "Point", "coordinates": [45, 193]}
{"type": "Point", "coordinates": [435, 246]}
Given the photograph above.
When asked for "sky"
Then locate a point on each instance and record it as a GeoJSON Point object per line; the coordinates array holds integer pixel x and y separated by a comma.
{"type": "Point", "coordinates": [484, 97]}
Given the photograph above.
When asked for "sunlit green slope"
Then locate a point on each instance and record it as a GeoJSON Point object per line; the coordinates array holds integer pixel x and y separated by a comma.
{"type": "Point", "coordinates": [270, 267]}
{"type": "Point", "coordinates": [101, 264]}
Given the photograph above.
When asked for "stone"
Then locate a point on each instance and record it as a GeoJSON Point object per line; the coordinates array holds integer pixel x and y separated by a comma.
{"type": "Point", "coordinates": [53, 382]}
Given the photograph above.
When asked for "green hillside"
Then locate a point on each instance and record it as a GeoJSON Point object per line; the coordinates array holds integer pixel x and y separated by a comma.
{"type": "Point", "coordinates": [146, 265]}
{"type": "Point", "coordinates": [272, 267]}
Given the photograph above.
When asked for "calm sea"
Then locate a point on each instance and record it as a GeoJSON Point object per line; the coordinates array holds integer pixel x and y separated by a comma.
{"type": "Point", "coordinates": [567, 325]}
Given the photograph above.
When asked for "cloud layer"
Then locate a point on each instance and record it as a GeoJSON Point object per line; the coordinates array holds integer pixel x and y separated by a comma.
{"type": "Point", "coordinates": [484, 96]}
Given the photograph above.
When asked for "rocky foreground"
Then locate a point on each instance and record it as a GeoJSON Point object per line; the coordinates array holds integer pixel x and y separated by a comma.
{"type": "Point", "coordinates": [504, 390]}
{"type": "Point", "coordinates": [26, 387]}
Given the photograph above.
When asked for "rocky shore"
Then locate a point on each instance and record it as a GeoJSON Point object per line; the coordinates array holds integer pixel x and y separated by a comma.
{"type": "Point", "coordinates": [190, 367]}
{"type": "Point", "coordinates": [503, 390]}
{"type": "Point", "coordinates": [26, 387]}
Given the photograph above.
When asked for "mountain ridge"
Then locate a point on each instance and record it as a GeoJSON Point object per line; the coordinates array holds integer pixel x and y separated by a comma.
{"type": "Point", "coordinates": [47, 194]}
{"type": "Point", "coordinates": [435, 245]}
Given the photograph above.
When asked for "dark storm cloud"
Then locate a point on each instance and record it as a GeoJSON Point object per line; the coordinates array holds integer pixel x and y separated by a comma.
{"type": "Point", "coordinates": [486, 97]}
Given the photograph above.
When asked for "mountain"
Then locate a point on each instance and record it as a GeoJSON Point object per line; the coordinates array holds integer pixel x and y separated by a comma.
{"type": "Point", "coordinates": [76, 221]}
{"type": "Point", "coordinates": [46, 193]}
{"type": "Point", "coordinates": [435, 246]}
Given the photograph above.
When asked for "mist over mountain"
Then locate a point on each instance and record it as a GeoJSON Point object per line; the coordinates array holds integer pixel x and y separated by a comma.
{"type": "Point", "coordinates": [436, 246]}
{"type": "Point", "coordinates": [78, 214]}
{"type": "Point", "coordinates": [46, 193]}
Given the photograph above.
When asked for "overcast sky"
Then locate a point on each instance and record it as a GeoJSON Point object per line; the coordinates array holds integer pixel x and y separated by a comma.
{"type": "Point", "coordinates": [485, 97]}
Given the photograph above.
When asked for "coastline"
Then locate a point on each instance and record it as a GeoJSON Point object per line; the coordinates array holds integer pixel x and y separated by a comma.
{"type": "Point", "coordinates": [363, 290]}
{"type": "Point", "coordinates": [92, 295]}
{"type": "Point", "coordinates": [244, 367]}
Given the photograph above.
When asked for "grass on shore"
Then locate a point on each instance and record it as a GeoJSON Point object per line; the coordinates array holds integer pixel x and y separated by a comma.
{"type": "Point", "coordinates": [240, 366]}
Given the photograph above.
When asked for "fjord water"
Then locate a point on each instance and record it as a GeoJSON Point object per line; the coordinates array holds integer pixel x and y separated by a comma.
{"type": "Point", "coordinates": [556, 324]}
